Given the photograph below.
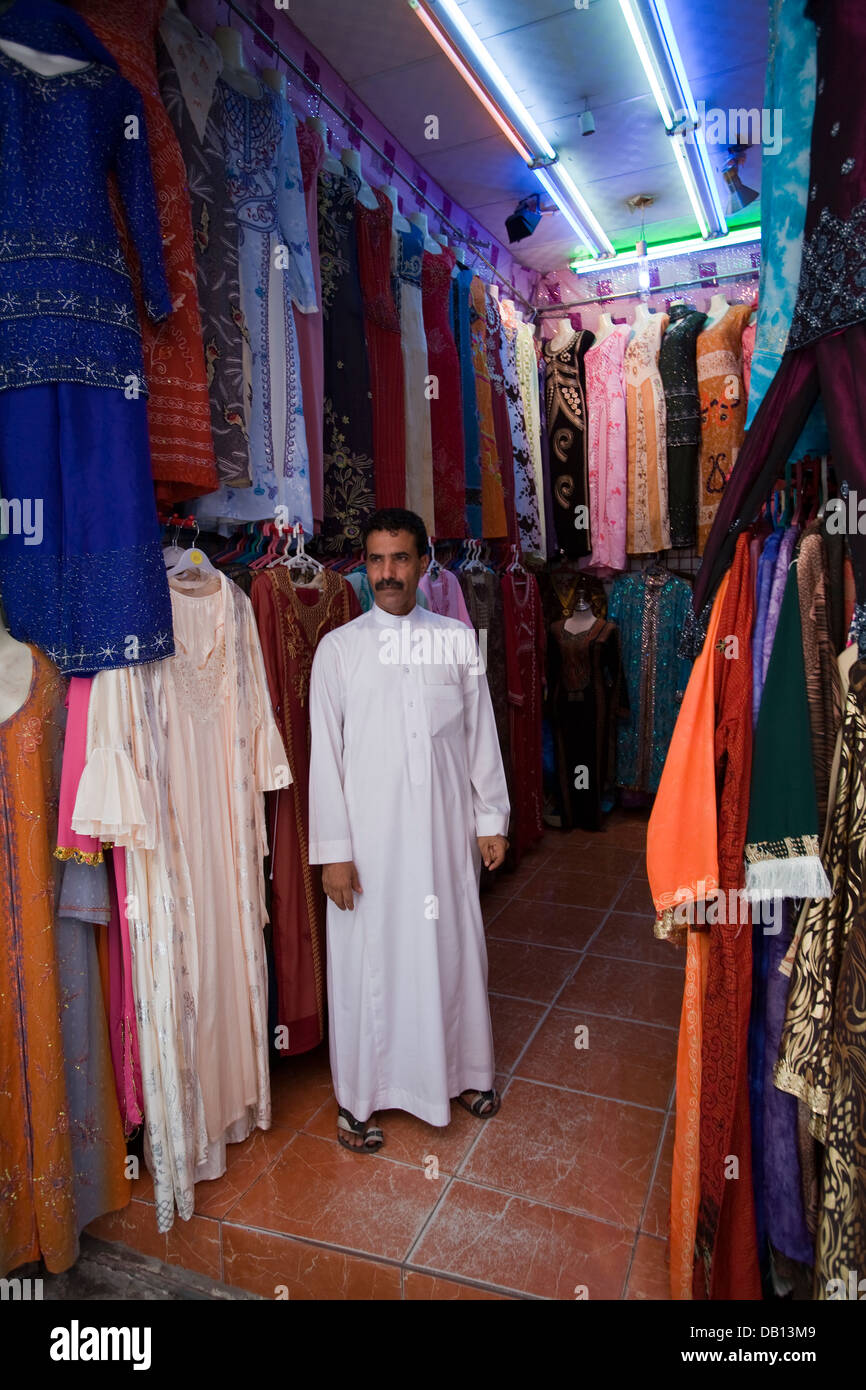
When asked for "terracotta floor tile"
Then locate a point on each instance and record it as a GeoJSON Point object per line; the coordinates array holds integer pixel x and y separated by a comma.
{"type": "Point", "coordinates": [631, 935]}
{"type": "Point", "coordinates": [244, 1163]}
{"type": "Point", "coordinates": [623, 1061]}
{"type": "Point", "coordinates": [592, 1155]}
{"type": "Point", "coordinates": [627, 835]}
{"type": "Point", "coordinates": [142, 1186]}
{"type": "Point", "coordinates": [523, 1246]}
{"type": "Point", "coordinates": [427, 1286]}
{"type": "Point", "coordinates": [410, 1140]}
{"type": "Point", "coordinates": [657, 1217]}
{"type": "Point", "coordinates": [596, 858]}
{"type": "Point", "coordinates": [546, 924]}
{"type": "Point", "coordinates": [572, 889]}
{"type": "Point", "coordinates": [363, 1201]}
{"type": "Point", "coordinates": [650, 1277]}
{"type": "Point", "coordinates": [625, 989]}
{"type": "Point", "coordinates": [299, 1086]}
{"type": "Point", "coordinates": [135, 1226]}
{"type": "Point", "coordinates": [492, 905]}
{"type": "Point", "coordinates": [636, 897]}
{"type": "Point", "coordinates": [272, 1266]}
{"type": "Point", "coordinates": [528, 971]}
{"type": "Point", "coordinates": [195, 1245]}
{"type": "Point", "coordinates": [513, 1021]}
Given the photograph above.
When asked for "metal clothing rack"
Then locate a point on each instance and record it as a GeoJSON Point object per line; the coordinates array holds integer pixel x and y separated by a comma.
{"type": "Point", "coordinates": [637, 293]}
{"type": "Point", "coordinates": [323, 96]}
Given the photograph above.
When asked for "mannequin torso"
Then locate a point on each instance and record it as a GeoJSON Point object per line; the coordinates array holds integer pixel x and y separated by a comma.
{"type": "Point", "coordinates": [276, 80]}
{"type": "Point", "coordinates": [235, 71]}
{"type": "Point", "coordinates": [419, 220]}
{"type": "Point", "coordinates": [605, 328]}
{"type": "Point", "coordinates": [398, 221]}
{"type": "Point", "coordinates": [642, 316]}
{"type": "Point", "coordinates": [718, 308]}
{"type": "Point", "coordinates": [16, 673]}
{"type": "Point", "coordinates": [350, 159]}
{"type": "Point", "coordinates": [562, 337]}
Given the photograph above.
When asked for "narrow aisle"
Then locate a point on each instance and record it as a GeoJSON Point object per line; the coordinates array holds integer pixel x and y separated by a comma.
{"type": "Point", "coordinates": [566, 1189]}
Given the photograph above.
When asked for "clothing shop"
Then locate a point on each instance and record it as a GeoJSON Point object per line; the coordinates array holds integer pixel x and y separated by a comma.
{"type": "Point", "coordinates": [431, 589]}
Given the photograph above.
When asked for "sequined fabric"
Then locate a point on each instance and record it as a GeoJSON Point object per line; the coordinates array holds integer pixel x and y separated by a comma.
{"type": "Point", "coordinates": [679, 373]}
{"type": "Point", "coordinates": [565, 407]}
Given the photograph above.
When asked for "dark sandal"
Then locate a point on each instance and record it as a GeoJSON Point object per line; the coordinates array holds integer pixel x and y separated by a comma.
{"type": "Point", "coordinates": [373, 1136]}
{"type": "Point", "coordinates": [477, 1107]}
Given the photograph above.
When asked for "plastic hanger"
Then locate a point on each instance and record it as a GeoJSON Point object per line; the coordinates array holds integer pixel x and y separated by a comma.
{"type": "Point", "coordinates": [434, 566]}
{"type": "Point", "coordinates": [300, 560]}
{"type": "Point", "coordinates": [173, 552]}
{"type": "Point", "coordinates": [193, 561]}
{"type": "Point", "coordinates": [515, 566]}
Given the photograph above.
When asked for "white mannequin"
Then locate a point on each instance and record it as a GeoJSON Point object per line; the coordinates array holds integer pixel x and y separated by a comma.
{"type": "Point", "coordinates": [419, 220]}
{"type": "Point", "coordinates": [460, 253]}
{"type": "Point", "coordinates": [442, 240]}
{"type": "Point", "coordinates": [235, 72]}
{"type": "Point", "coordinates": [318, 125]}
{"type": "Point", "coordinates": [331, 162]}
{"type": "Point", "coordinates": [398, 221]}
{"type": "Point", "coordinates": [494, 290]}
{"type": "Point", "coordinates": [16, 672]}
{"type": "Point", "coordinates": [350, 159]}
{"type": "Point", "coordinates": [642, 315]}
{"type": "Point", "coordinates": [276, 80]}
{"type": "Point", "coordinates": [719, 306]}
{"type": "Point", "coordinates": [48, 64]}
{"type": "Point", "coordinates": [562, 337]}
{"type": "Point", "coordinates": [605, 327]}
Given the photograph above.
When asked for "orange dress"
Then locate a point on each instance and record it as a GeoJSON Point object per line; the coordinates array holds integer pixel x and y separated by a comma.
{"type": "Point", "coordinates": [39, 1217]}
{"type": "Point", "coordinates": [178, 407]}
{"type": "Point", "coordinates": [723, 410]}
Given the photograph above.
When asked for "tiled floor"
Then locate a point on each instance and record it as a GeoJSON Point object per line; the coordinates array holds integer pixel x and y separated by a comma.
{"type": "Point", "coordinates": [566, 1190]}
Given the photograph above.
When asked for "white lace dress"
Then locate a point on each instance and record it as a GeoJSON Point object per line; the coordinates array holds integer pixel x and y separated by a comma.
{"type": "Point", "coordinates": [180, 753]}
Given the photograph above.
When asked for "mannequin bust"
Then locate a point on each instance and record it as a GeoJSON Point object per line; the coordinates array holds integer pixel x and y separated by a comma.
{"type": "Point", "coordinates": [398, 221]}
{"type": "Point", "coordinates": [350, 159]}
{"type": "Point", "coordinates": [460, 253]}
{"type": "Point", "coordinates": [419, 220]}
{"type": "Point", "coordinates": [331, 162]}
{"type": "Point", "coordinates": [16, 673]}
{"type": "Point", "coordinates": [235, 72]}
{"type": "Point", "coordinates": [719, 306]}
{"type": "Point", "coordinates": [494, 290]}
{"type": "Point", "coordinates": [642, 315]}
{"type": "Point", "coordinates": [276, 80]}
{"type": "Point", "coordinates": [563, 335]}
{"type": "Point", "coordinates": [318, 125]}
{"type": "Point", "coordinates": [442, 240]}
{"type": "Point", "coordinates": [48, 64]}
{"type": "Point", "coordinates": [604, 329]}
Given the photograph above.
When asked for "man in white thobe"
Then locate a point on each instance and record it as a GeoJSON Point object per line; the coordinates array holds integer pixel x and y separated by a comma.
{"type": "Point", "coordinates": [407, 796]}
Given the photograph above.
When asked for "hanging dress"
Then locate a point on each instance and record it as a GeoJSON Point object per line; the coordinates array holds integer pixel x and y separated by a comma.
{"type": "Point", "coordinates": [679, 374]}
{"type": "Point", "coordinates": [181, 444]}
{"type": "Point", "coordinates": [449, 462]}
{"type": "Point", "coordinates": [607, 452]}
{"type": "Point", "coordinates": [460, 311]}
{"type": "Point", "coordinates": [309, 327]}
{"type": "Point", "coordinates": [350, 484]}
{"type": "Point", "coordinates": [525, 649]}
{"type": "Point", "coordinates": [565, 407]}
{"type": "Point", "coordinates": [501, 420]}
{"type": "Point", "coordinates": [185, 56]}
{"type": "Point", "coordinates": [263, 172]}
{"type": "Point", "coordinates": [723, 410]}
{"type": "Point", "coordinates": [527, 377]}
{"type": "Point", "coordinates": [493, 522]}
{"type": "Point", "coordinates": [525, 495]}
{"type": "Point", "coordinates": [382, 329]}
{"type": "Point", "coordinates": [648, 513]}
{"type": "Point", "coordinates": [407, 250]}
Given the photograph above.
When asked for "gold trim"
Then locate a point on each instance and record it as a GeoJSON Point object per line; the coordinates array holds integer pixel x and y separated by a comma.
{"type": "Point", "coordinates": [81, 856]}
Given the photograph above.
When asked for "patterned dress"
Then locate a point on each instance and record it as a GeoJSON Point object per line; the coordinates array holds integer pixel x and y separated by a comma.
{"type": "Point", "coordinates": [723, 410]}
{"type": "Point", "coordinates": [493, 522]}
{"type": "Point", "coordinates": [449, 459]}
{"type": "Point", "coordinates": [501, 420]}
{"type": "Point", "coordinates": [407, 250]}
{"type": "Point", "coordinates": [181, 444]}
{"type": "Point", "coordinates": [525, 495]}
{"type": "Point", "coordinates": [382, 328]}
{"type": "Point", "coordinates": [527, 376]}
{"type": "Point", "coordinates": [350, 486]}
{"type": "Point", "coordinates": [525, 652]}
{"type": "Point", "coordinates": [648, 512]}
{"type": "Point", "coordinates": [607, 448]}
{"type": "Point", "coordinates": [565, 404]}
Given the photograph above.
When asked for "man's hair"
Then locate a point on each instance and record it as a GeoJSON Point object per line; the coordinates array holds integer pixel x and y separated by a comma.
{"type": "Point", "coordinates": [394, 519]}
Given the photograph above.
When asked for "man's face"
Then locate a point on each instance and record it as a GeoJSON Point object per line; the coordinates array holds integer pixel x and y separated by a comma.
{"type": "Point", "coordinates": [394, 568]}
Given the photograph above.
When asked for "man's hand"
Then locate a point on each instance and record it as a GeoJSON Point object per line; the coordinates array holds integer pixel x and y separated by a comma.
{"type": "Point", "coordinates": [341, 882]}
{"type": "Point", "coordinates": [493, 849]}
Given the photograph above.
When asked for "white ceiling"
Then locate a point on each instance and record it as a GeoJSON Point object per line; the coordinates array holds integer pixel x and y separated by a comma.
{"type": "Point", "coordinates": [554, 55]}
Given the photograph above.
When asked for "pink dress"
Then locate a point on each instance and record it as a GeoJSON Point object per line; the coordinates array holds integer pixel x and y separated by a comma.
{"type": "Point", "coordinates": [607, 452]}
{"type": "Point", "coordinates": [309, 327]}
{"type": "Point", "coordinates": [445, 596]}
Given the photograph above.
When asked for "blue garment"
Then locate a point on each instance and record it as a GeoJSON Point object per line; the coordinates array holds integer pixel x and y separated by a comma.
{"type": "Point", "coordinates": [81, 573]}
{"type": "Point", "coordinates": [459, 314]}
{"type": "Point", "coordinates": [649, 610]}
{"type": "Point", "coordinates": [766, 568]}
{"type": "Point", "coordinates": [67, 311]}
{"type": "Point", "coordinates": [790, 90]}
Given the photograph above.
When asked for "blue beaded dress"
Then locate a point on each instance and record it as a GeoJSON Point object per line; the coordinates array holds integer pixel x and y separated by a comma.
{"type": "Point", "coordinates": [81, 569]}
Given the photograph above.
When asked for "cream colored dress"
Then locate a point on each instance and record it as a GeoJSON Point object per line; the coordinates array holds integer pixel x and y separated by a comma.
{"type": "Point", "coordinates": [180, 753]}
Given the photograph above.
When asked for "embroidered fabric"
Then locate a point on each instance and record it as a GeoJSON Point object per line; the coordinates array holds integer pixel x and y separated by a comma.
{"type": "Point", "coordinates": [832, 291]}
{"type": "Point", "coordinates": [201, 689]}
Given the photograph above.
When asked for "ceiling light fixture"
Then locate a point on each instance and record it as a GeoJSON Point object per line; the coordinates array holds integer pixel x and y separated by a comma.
{"type": "Point", "coordinates": [587, 119]}
{"type": "Point", "coordinates": [741, 237]}
{"type": "Point", "coordinates": [655, 41]}
{"type": "Point", "coordinates": [444, 19]}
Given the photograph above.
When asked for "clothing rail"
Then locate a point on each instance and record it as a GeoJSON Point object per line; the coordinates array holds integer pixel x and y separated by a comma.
{"type": "Point", "coordinates": [323, 96]}
{"type": "Point", "coordinates": [635, 294]}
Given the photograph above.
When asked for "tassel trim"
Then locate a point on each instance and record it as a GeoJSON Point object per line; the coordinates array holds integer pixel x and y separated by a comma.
{"type": "Point", "coordinates": [791, 847]}
{"type": "Point", "coordinates": [802, 876]}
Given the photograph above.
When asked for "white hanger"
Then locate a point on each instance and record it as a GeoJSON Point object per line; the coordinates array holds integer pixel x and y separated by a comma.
{"type": "Point", "coordinates": [194, 560]}
{"type": "Point", "coordinates": [300, 559]}
{"type": "Point", "coordinates": [515, 567]}
{"type": "Point", "coordinates": [174, 552]}
{"type": "Point", "coordinates": [434, 566]}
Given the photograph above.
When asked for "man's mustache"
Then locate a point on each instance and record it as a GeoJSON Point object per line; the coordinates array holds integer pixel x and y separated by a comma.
{"type": "Point", "coordinates": [389, 584]}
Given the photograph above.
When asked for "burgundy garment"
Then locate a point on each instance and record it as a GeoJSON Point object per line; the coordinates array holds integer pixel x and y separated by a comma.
{"type": "Point", "coordinates": [525, 650]}
{"type": "Point", "coordinates": [501, 421]}
{"type": "Point", "coordinates": [310, 327]}
{"type": "Point", "coordinates": [382, 330]}
{"type": "Point", "coordinates": [446, 406]}
{"type": "Point", "coordinates": [835, 368]}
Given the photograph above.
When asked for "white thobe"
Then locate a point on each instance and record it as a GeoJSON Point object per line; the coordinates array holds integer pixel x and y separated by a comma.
{"type": "Point", "coordinates": [405, 772]}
